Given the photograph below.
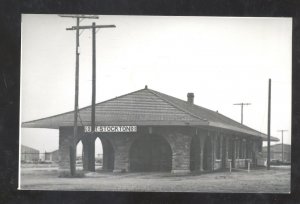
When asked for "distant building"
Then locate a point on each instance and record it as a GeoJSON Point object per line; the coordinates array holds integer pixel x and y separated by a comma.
{"type": "Point", "coordinates": [52, 156]}
{"type": "Point", "coordinates": [276, 152]}
{"type": "Point", "coordinates": [29, 154]}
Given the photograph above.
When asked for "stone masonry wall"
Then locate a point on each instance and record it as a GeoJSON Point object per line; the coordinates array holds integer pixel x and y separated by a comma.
{"type": "Point", "coordinates": [65, 141]}
{"type": "Point", "coordinates": [121, 144]}
{"type": "Point", "coordinates": [180, 144]}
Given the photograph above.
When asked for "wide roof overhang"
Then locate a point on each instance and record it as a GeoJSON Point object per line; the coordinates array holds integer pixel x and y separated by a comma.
{"type": "Point", "coordinates": [147, 107]}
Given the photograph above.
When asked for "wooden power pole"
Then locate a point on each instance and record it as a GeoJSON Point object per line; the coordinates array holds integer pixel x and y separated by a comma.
{"type": "Point", "coordinates": [282, 143]}
{"type": "Point", "coordinates": [269, 125]}
{"type": "Point", "coordinates": [242, 109]}
{"type": "Point", "coordinates": [75, 126]}
{"type": "Point", "coordinates": [91, 163]}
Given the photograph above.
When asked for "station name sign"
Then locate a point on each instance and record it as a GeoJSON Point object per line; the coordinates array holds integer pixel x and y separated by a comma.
{"type": "Point", "coordinates": [111, 128]}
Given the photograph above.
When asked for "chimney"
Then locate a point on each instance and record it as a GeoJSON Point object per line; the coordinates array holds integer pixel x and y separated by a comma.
{"type": "Point", "coordinates": [190, 98]}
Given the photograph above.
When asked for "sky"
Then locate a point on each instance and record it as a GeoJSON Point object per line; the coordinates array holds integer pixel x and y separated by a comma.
{"type": "Point", "coordinates": [222, 60]}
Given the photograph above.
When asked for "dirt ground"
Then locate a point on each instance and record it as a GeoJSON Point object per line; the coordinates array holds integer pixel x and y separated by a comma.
{"type": "Point", "coordinates": [276, 180]}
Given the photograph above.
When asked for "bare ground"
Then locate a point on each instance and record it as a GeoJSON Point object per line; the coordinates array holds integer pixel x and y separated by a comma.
{"type": "Point", "coordinates": [276, 180]}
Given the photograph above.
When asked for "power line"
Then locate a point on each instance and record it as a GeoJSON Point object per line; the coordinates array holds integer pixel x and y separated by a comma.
{"type": "Point", "coordinates": [81, 17]}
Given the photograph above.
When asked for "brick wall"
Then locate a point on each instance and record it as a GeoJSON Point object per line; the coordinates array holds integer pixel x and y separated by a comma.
{"type": "Point", "coordinates": [121, 143]}
{"type": "Point", "coordinates": [180, 145]}
{"type": "Point", "coordinates": [179, 139]}
{"type": "Point", "coordinates": [65, 140]}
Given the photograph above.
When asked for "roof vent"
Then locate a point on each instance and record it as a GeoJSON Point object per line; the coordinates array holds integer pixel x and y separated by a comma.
{"type": "Point", "coordinates": [146, 87]}
{"type": "Point", "coordinates": [190, 98]}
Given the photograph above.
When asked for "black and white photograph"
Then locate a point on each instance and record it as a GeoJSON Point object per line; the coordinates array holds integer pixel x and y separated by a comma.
{"type": "Point", "coordinates": [155, 103]}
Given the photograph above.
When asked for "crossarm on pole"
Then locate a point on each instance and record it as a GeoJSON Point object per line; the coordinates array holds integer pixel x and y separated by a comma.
{"type": "Point", "coordinates": [89, 27]}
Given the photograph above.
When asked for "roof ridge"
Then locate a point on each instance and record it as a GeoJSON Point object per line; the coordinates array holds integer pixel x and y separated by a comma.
{"type": "Point", "coordinates": [176, 106]}
{"type": "Point", "coordinates": [211, 111]}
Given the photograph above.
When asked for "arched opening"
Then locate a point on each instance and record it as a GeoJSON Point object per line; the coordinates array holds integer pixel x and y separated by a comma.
{"type": "Point", "coordinates": [98, 154]}
{"type": "Point", "coordinates": [150, 153]}
{"type": "Point", "coordinates": [195, 153]}
{"type": "Point", "coordinates": [79, 155]}
{"type": "Point", "coordinates": [108, 155]}
{"type": "Point", "coordinates": [207, 155]}
{"type": "Point", "coordinates": [95, 154]}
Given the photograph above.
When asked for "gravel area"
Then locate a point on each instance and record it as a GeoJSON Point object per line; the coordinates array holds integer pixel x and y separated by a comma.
{"type": "Point", "coordinates": [276, 180]}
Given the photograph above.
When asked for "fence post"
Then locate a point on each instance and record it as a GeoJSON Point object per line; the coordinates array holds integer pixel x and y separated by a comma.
{"type": "Point", "coordinates": [248, 166]}
{"type": "Point", "coordinates": [230, 166]}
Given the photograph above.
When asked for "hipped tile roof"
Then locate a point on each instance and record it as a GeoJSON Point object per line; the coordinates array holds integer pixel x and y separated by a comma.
{"type": "Point", "coordinates": [146, 107]}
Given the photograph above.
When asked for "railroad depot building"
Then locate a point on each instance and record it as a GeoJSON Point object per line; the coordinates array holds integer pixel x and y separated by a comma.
{"type": "Point", "coordinates": [150, 131]}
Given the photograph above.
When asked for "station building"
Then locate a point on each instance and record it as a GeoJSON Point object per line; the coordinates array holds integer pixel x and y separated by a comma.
{"type": "Point", "coordinates": [150, 131]}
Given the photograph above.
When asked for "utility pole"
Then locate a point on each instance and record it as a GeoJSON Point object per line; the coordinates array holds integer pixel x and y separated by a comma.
{"type": "Point", "coordinates": [91, 163]}
{"type": "Point", "coordinates": [242, 109]}
{"type": "Point", "coordinates": [282, 142]}
{"type": "Point", "coordinates": [269, 125]}
{"type": "Point", "coordinates": [73, 145]}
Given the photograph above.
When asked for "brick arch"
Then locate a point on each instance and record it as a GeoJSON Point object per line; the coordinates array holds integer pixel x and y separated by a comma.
{"type": "Point", "coordinates": [150, 152]}
{"type": "Point", "coordinates": [108, 156]}
{"type": "Point", "coordinates": [78, 139]}
{"type": "Point", "coordinates": [171, 140]}
{"type": "Point", "coordinates": [77, 153]}
{"type": "Point", "coordinates": [121, 143]}
{"type": "Point", "coordinates": [180, 144]}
